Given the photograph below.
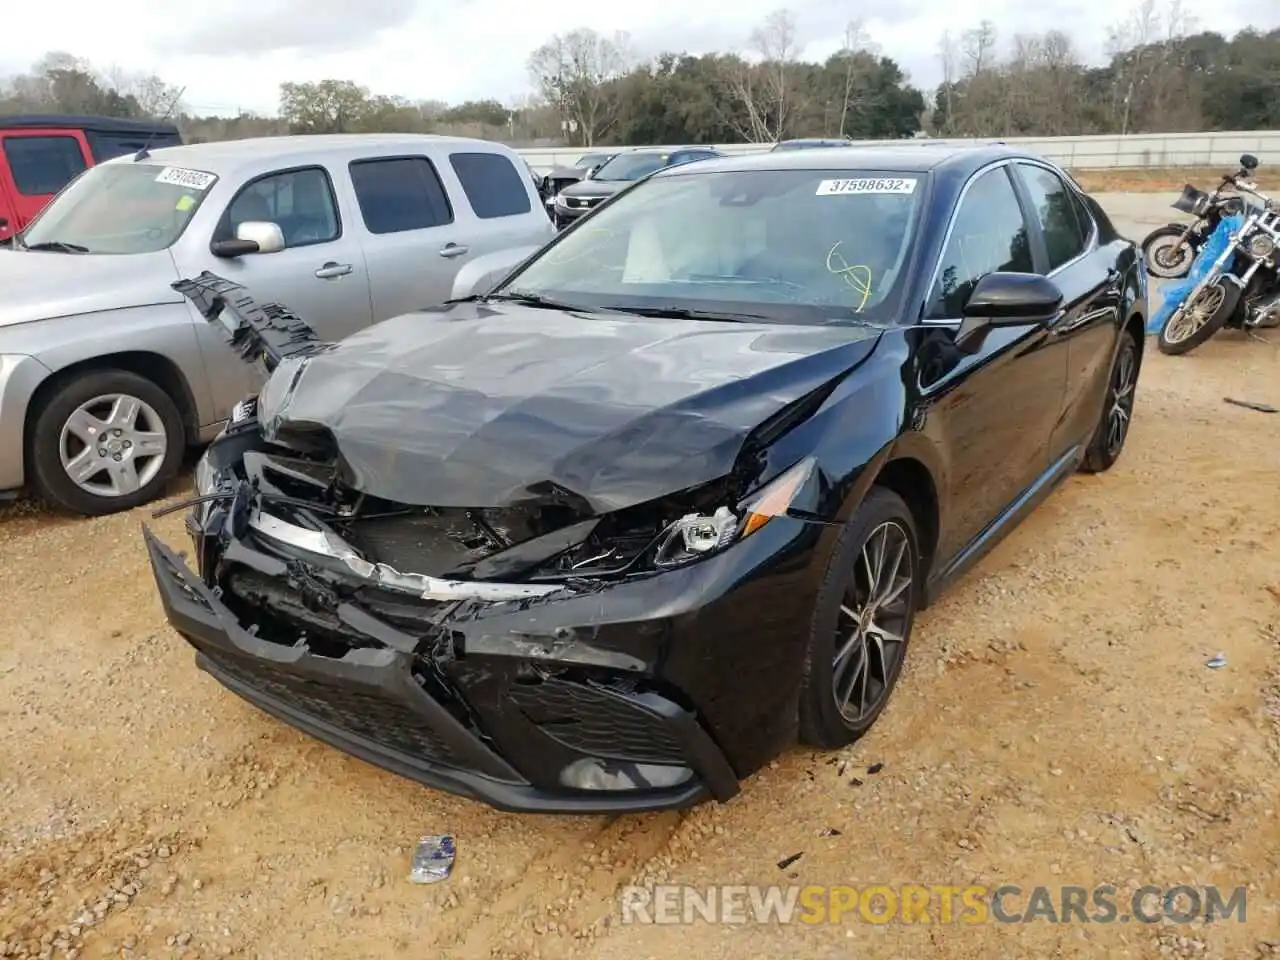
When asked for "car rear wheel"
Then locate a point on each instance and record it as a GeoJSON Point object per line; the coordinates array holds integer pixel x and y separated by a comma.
{"type": "Point", "coordinates": [862, 622]}
{"type": "Point", "coordinates": [105, 441]}
{"type": "Point", "coordinates": [1113, 428]}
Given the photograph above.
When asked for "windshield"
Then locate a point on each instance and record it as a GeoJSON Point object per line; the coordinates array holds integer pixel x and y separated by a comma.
{"type": "Point", "coordinates": [631, 166]}
{"type": "Point", "coordinates": [591, 159]}
{"type": "Point", "coordinates": [121, 208]}
{"type": "Point", "coordinates": [796, 246]}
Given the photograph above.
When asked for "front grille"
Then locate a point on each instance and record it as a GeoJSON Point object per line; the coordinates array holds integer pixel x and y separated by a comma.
{"type": "Point", "coordinates": [366, 715]}
{"type": "Point", "coordinates": [596, 721]}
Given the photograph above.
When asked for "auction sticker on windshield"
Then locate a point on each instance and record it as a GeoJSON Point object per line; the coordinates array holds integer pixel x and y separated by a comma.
{"type": "Point", "coordinates": [829, 188]}
{"type": "Point", "coordinates": [182, 177]}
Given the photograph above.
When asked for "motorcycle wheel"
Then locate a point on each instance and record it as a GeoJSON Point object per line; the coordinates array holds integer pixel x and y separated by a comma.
{"type": "Point", "coordinates": [1167, 257]}
{"type": "Point", "coordinates": [1199, 318]}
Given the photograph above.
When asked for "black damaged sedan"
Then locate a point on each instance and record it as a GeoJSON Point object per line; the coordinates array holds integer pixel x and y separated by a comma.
{"type": "Point", "coordinates": [611, 535]}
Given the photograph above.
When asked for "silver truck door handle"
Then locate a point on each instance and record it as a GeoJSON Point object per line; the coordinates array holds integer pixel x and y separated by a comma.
{"type": "Point", "coordinates": [331, 270]}
{"type": "Point", "coordinates": [451, 250]}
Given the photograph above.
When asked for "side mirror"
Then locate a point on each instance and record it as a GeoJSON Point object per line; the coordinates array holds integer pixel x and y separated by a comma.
{"type": "Point", "coordinates": [1006, 300]}
{"type": "Point", "coordinates": [1248, 161]}
{"type": "Point", "coordinates": [252, 236]}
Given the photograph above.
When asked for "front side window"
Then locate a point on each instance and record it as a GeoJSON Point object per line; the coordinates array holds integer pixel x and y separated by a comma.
{"type": "Point", "coordinates": [795, 246]}
{"type": "Point", "coordinates": [988, 235]}
{"type": "Point", "coordinates": [122, 208]}
{"type": "Point", "coordinates": [631, 166]}
{"type": "Point", "coordinates": [399, 194]}
{"type": "Point", "coordinates": [1064, 238]}
{"type": "Point", "coordinates": [492, 185]}
{"type": "Point", "coordinates": [299, 202]}
{"type": "Point", "coordinates": [43, 165]}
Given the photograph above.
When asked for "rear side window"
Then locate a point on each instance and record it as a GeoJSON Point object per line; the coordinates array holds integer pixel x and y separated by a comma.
{"type": "Point", "coordinates": [1063, 236]}
{"type": "Point", "coordinates": [400, 193]}
{"type": "Point", "coordinates": [493, 186]}
{"type": "Point", "coordinates": [42, 165]}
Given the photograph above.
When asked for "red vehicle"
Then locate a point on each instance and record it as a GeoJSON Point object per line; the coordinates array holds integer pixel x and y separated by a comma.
{"type": "Point", "coordinates": [39, 155]}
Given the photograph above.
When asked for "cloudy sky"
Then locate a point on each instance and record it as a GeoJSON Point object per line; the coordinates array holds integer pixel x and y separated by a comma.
{"type": "Point", "coordinates": [233, 54]}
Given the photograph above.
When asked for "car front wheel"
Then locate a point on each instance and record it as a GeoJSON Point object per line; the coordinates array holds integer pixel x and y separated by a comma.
{"type": "Point", "coordinates": [105, 441]}
{"type": "Point", "coordinates": [862, 622]}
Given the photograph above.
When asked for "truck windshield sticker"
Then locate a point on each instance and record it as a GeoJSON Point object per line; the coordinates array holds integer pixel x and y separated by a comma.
{"type": "Point", "coordinates": [181, 177]}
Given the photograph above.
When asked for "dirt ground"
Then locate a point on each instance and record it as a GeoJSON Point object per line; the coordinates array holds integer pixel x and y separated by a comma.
{"type": "Point", "coordinates": [1155, 179]}
{"type": "Point", "coordinates": [1057, 724]}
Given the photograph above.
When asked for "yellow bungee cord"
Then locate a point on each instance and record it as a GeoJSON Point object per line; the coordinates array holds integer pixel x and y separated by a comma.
{"type": "Point", "coordinates": [856, 275]}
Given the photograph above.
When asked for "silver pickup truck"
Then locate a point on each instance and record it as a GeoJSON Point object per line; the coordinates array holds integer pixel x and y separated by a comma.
{"type": "Point", "coordinates": [107, 374]}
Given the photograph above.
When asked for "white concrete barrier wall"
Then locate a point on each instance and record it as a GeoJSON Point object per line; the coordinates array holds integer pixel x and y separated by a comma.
{"type": "Point", "coordinates": [1082, 153]}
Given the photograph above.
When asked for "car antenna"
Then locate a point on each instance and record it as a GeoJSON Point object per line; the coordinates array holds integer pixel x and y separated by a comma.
{"type": "Point", "coordinates": [145, 151]}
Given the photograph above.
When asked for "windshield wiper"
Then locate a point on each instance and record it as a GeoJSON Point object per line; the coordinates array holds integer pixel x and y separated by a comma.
{"type": "Point", "coordinates": [56, 246]}
{"type": "Point", "coordinates": [687, 313]}
{"type": "Point", "coordinates": [538, 300]}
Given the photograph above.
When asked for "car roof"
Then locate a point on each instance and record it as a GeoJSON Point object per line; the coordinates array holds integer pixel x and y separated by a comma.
{"type": "Point", "coordinates": [77, 122]}
{"type": "Point", "coordinates": [263, 154]}
{"type": "Point", "coordinates": [907, 159]}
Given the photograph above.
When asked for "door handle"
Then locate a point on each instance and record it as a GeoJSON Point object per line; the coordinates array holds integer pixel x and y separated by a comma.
{"type": "Point", "coordinates": [331, 270]}
{"type": "Point", "coordinates": [451, 250]}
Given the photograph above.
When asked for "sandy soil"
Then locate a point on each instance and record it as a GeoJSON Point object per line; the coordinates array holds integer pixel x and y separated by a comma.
{"type": "Point", "coordinates": [1057, 724]}
{"type": "Point", "coordinates": [1158, 180]}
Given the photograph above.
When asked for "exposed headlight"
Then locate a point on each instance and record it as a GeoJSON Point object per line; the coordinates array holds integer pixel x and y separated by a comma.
{"type": "Point", "coordinates": [205, 477]}
{"type": "Point", "coordinates": [696, 535]}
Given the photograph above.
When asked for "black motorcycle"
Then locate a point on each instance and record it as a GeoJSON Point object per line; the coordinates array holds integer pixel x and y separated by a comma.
{"type": "Point", "coordinates": [1170, 250]}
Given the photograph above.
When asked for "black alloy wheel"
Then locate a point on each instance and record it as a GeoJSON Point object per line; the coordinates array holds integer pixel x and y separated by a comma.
{"type": "Point", "coordinates": [1117, 412]}
{"type": "Point", "coordinates": [862, 623]}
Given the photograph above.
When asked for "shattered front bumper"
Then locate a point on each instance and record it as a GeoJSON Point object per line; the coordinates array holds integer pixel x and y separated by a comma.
{"type": "Point", "coordinates": [373, 703]}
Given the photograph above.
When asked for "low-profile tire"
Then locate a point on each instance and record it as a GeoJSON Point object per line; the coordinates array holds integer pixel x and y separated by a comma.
{"type": "Point", "coordinates": [1162, 255]}
{"type": "Point", "coordinates": [88, 421]}
{"type": "Point", "coordinates": [1221, 301]}
{"type": "Point", "coordinates": [855, 645]}
{"type": "Point", "coordinates": [1117, 412]}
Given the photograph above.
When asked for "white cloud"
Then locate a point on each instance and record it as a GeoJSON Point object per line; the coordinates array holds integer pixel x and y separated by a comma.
{"type": "Point", "coordinates": [234, 54]}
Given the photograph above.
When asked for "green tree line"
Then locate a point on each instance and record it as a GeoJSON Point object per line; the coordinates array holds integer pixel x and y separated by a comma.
{"type": "Point", "coordinates": [1160, 76]}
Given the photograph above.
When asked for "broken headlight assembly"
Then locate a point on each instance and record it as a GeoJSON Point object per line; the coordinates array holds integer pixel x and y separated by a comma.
{"type": "Point", "coordinates": [697, 535]}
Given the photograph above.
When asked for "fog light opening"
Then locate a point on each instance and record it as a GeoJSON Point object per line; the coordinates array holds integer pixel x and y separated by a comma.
{"type": "Point", "coordinates": [594, 773]}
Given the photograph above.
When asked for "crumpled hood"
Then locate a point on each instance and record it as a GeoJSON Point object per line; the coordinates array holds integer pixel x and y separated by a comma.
{"type": "Point", "coordinates": [491, 405]}
{"type": "Point", "coordinates": [595, 188]}
{"type": "Point", "coordinates": [41, 286]}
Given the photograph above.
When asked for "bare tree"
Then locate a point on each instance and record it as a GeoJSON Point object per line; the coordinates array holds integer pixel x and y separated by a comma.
{"type": "Point", "coordinates": [856, 42]}
{"type": "Point", "coordinates": [979, 47]}
{"type": "Point", "coordinates": [763, 88]}
{"type": "Point", "coordinates": [154, 97]}
{"type": "Point", "coordinates": [948, 55]}
{"type": "Point", "coordinates": [1145, 38]}
{"type": "Point", "coordinates": [573, 71]}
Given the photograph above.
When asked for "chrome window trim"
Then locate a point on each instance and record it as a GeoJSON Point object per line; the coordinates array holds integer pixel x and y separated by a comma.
{"type": "Point", "coordinates": [1089, 246]}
